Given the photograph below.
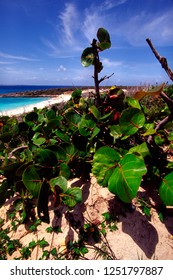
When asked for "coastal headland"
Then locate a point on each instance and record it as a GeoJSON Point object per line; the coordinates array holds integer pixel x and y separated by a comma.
{"type": "Point", "coordinates": [53, 92]}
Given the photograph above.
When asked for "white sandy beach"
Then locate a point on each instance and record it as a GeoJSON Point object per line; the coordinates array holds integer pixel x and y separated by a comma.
{"type": "Point", "coordinates": [40, 105]}
{"type": "Point", "coordinates": [60, 99]}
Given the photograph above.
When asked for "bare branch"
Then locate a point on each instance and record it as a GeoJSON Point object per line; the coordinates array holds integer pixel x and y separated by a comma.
{"type": "Point", "coordinates": [105, 78]}
{"type": "Point", "coordinates": [161, 59]}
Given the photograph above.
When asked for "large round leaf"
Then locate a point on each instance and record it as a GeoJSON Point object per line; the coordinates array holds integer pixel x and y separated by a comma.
{"type": "Point", "coordinates": [104, 38]}
{"type": "Point", "coordinates": [104, 161]}
{"type": "Point", "coordinates": [60, 182]}
{"type": "Point", "coordinates": [72, 119]}
{"type": "Point", "coordinates": [131, 120]}
{"type": "Point", "coordinates": [87, 57]}
{"type": "Point", "coordinates": [32, 180]}
{"type": "Point", "coordinates": [86, 127]}
{"type": "Point", "coordinates": [70, 151]}
{"type": "Point", "coordinates": [46, 158]}
{"type": "Point", "coordinates": [166, 190]}
{"type": "Point", "coordinates": [72, 196]}
{"type": "Point", "coordinates": [126, 178]}
{"type": "Point", "coordinates": [32, 116]}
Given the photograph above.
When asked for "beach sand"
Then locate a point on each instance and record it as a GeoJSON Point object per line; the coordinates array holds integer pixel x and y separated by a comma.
{"type": "Point", "coordinates": [60, 99]}
{"type": "Point", "coordinates": [40, 105]}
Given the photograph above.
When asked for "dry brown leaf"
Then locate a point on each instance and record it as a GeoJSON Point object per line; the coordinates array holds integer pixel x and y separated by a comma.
{"type": "Point", "coordinates": [155, 92]}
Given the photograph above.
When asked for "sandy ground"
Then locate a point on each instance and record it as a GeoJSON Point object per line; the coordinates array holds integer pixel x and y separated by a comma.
{"type": "Point", "coordinates": [136, 237]}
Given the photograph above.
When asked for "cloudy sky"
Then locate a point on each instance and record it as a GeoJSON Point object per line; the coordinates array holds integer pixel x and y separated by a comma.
{"type": "Point", "coordinates": [42, 40]}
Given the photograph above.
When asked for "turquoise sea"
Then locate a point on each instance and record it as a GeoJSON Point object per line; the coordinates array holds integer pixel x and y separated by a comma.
{"type": "Point", "coordinates": [11, 103]}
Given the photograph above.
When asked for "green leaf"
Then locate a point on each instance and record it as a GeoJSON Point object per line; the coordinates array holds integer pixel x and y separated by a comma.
{"type": "Point", "coordinates": [10, 172]}
{"type": "Point", "coordinates": [77, 93]}
{"type": "Point", "coordinates": [106, 116]}
{"type": "Point", "coordinates": [42, 205]}
{"type": "Point", "coordinates": [166, 190]}
{"type": "Point", "coordinates": [170, 136]}
{"type": "Point", "coordinates": [50, 114]}
{"type": "Point", "coordinates": [141, 150]}
{"type": "Point", "coordinates": [42, 243]}
{"type": "Point", "coordinates": [64, 170]}
{"type": "Point", "coordinates": [93, 109]}
{"type": "Point", "coordinates": [86, 127]}
{"type": "Point", "coordinates": [133, 102]}
{"type": "Point", "coordinates": [3, 192]}
{"type": "Point", "coordinates": [46, 158]}
{"type": "Point", "coordinates": [131, 120]}
{"type": "Point", "coordinates": [126, 178]}
{"type": "Point", "coordinates": [59, 152]}
{"type": "Point", "coordinates": [63, 136]}
{"type": "Point", "coordinates": [70, 151]}
{"type": "Point", "coordinates": [104, 38]}
{"type": "Point", "coordinates": [31, 117]}
{"type": "Point", "coordinates": [84, 250]}
{"type": "Point", "coordinates": [72, 197]}
{"type": "Point", "coordinates": [73, 119]}
{"type": "Point", "coordinates": [149, 129]}
{"type": "Point", "coordinates": [104, 161]}
{"type": "Point", "coordinates": [52, 124]}
{"type": "Point", "coordinates": [95, 132]}
{"type": "Point", "coordinates": [159, 140]}
{"type": "Point", "coordinates": [115, 131]}
{"type": "Point", "coordinates": [39, 141]}
{"type": "Point", "coordinates": [32, 180]}
{"type": "Point", "coordinates": [87, 57]}
{"type": "Point", "coordinates": [6, 137]}
{"type": "Point", "coordinates": [60, 182]}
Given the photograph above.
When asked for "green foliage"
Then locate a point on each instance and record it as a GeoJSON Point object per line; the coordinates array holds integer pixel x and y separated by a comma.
{"type": "Point", "coordinates": [90, 56]}
{"type": "Point", "coordinates": [121, 175]}
{"type": "Point", "coordinates": [121, 142]}
{"type": "Point", "coordinates": [104, 42]}
{"type": "Point", "coordinates": [166, 189]}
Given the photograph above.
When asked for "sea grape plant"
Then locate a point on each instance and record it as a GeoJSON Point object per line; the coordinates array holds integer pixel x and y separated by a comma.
{"type": "Point", "coordinates": [121, 144]}
{"type": "Point", "coordinates": [90, 56]}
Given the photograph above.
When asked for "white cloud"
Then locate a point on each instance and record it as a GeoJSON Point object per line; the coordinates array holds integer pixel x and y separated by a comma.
{"type": "Point", "coordinates": [157, 26]}
{"type": "Point", "coordinates": [92, 22]}
{"type": "Point", "coordinates": [69, 22]}
{"type": "Point", "coordinates": [6, 62]}
{"type": "Point", "coordinates": [61, 68]}
{"type": "Point", "coordinates": [10, 56]}
{"type": "Point", "coordinates": [109, 4]}
{"type": "Point", "coordinates": [109, 63]}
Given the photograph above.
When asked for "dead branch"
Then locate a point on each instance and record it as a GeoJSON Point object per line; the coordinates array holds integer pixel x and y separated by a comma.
{"type": "Point", "coordinates": [105, 78]}
{"type": "Point", "coordinates": [10, 155]}
{"type": "Point", "coordinates": [161, 59]}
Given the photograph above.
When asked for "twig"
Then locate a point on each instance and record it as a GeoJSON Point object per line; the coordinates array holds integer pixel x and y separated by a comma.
{"type": "Point", "coordinates": [105, 78]}
{"type": "Point", "coordinates": [160, 125]}
{"type": "Point", "coordinates": [168, 100]}
{"type": "Point", "coordinates": [161, 59]}
{"type": "Point", "coordinates": [16, 149]}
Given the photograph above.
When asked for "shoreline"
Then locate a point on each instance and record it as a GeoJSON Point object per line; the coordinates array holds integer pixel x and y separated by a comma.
{"type": "Point", "coordinates": [40, 105]}
{"type": "Point", "coordinates": [54, 99]}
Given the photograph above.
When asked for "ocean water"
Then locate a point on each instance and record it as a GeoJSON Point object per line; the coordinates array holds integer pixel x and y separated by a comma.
{"type": "Point", "coordinates": [22, 88]}
{"type": "Point", "coordinates": [11, 103]}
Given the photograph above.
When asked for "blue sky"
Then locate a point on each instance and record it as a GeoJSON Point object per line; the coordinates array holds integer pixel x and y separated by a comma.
{"type": "Point", "coordinates": [42, 40]}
